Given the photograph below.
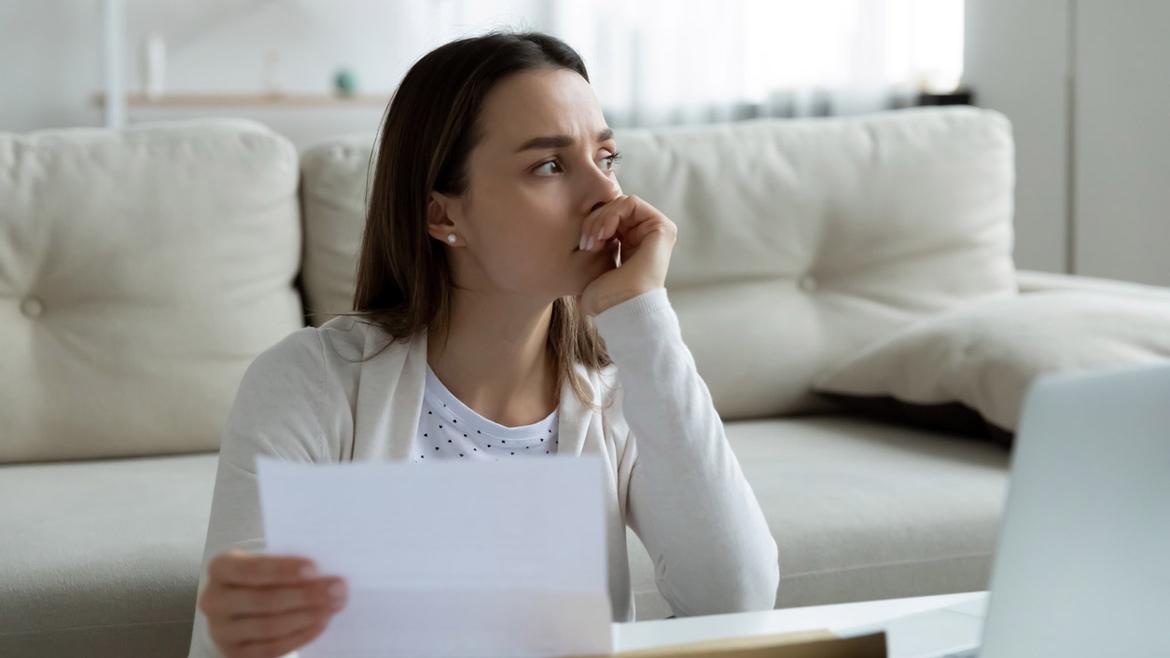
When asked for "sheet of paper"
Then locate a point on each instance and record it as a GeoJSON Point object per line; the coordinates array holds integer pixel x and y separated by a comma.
{"type": "Point", "coordinates": [450, 558]}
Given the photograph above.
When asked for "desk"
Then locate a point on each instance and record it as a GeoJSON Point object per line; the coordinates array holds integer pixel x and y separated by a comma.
{"type": "Point", "coordinates": [916, 626]}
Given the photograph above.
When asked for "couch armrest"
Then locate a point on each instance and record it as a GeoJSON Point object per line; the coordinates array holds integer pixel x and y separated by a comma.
{"type": "Point", "coordinates": [1029, 281]}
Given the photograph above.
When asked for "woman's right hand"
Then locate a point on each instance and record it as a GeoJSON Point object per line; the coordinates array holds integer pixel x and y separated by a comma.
{"type": "Point", "coordinates": [264, 606]}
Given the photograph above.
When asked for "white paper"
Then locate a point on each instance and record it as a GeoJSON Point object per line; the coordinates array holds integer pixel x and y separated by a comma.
{"type": "Point", "coordinates": [450, 558]}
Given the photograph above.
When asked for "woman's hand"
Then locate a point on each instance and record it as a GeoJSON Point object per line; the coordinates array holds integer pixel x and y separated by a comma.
{"type": "Point", "coordinates": [646, 239]}
{"type": "Point", "coordinates": [264, 606]}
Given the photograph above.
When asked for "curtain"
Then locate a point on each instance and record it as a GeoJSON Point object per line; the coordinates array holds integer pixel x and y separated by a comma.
{"type": "Point", "coordinates": [655, 62]}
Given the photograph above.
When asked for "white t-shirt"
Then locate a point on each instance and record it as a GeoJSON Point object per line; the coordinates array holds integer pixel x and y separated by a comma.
{"type": "Point", "coordinates": [449, 429]}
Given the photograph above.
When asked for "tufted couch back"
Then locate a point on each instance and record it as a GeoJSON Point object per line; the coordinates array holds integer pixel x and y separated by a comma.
{"type": "Point", "coordinates": [799, 240]}
{"type": "Point", "coordinates": [142, 270]}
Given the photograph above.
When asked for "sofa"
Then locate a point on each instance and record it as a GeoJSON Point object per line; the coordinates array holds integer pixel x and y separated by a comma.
{"type": "Point", "coordinates": [142, 270]}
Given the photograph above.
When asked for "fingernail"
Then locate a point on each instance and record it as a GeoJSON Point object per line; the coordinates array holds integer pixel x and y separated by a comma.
{"type": "Point", "coordinates": [308, 571]}
{"type": "Point", "coordinates": [589, 244]}
{"type": "Point", "coordinates": [337, 590]}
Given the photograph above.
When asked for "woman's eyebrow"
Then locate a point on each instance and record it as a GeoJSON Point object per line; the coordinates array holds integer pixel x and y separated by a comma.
{"type": "Point", "coordinates": [558, 141]}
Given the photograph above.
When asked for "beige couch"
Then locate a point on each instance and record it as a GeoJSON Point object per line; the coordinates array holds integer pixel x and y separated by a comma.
{"type": "Point", "coordinates": [141, 271]}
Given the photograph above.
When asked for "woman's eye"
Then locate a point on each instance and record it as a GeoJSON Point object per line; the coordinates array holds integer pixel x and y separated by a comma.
{"type": "Point", "coordinates": [614, 160]}
{"type": "Point", "coordinates": [542, 165]}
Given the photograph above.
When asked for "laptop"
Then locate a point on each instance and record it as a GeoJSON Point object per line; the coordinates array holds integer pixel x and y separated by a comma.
{"type": "Point", "coordinates": [1082, 563]}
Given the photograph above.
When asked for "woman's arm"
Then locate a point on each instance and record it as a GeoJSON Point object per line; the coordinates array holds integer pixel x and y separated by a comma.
{"type": "Point", "coordinates": [275, 413]}
{"type": "Point", "coordinates": [688, 500]}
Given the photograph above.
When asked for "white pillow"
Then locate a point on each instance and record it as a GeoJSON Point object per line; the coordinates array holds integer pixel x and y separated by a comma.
{"type": "Point", "coordinates": [985, 355]}
{"type": "Point", "coordinates": [141, 272]}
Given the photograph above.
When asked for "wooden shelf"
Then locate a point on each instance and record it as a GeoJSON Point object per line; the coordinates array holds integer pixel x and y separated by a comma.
{"type": "Point", "coordinates": [291, 100]}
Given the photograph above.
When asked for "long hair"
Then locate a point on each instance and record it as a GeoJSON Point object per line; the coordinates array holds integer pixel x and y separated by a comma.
{"type": "Point", "coordinates": [404, 279]}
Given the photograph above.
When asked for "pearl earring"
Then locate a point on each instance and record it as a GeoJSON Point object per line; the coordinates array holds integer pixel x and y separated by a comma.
{"type": "Point", "coordinates": [451, 238]}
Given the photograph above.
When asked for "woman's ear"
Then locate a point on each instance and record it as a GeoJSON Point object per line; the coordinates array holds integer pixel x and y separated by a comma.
{"type": "Point", "coordinates": [440, 222]}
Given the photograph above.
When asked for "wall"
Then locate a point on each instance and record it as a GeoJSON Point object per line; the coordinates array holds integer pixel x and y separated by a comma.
{"type": "Point", "coordinates": [1016, 60]}
{"type": "Point", "coordinates": [1122, 183]}
{"type": "Point", "coordinates": [51, 52]}
{"type": "Point", "coordinates": [50, 63]}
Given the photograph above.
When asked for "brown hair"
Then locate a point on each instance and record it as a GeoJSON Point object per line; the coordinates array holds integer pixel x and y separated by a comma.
{"type": "Point", "coordinates": [404, 279]}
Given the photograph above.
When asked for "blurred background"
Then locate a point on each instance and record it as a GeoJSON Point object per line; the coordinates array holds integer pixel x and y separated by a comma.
{"type": "Point", "coordinates": [1084, 82]}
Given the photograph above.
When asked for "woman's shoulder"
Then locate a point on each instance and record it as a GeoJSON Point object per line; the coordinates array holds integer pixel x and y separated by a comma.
{"type": "Point", "coordinates": [345, 336]}
{"type": "Point", "coordinates": [337, 344]}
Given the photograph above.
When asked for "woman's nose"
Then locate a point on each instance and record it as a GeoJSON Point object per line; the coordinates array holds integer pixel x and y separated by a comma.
{"type": "Point", "coordinates": [610, 194]}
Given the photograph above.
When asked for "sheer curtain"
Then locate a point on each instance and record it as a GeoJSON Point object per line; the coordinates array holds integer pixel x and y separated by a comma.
{"type": "Point", "coordinates": [655, 62]}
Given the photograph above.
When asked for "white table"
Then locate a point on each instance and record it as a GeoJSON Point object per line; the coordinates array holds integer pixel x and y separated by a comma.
{"type": "Point", "coordinates": [915, 627]}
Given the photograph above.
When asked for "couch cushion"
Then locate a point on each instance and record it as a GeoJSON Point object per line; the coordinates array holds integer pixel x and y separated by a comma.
{"type": "Point", "coordinates": [799, 240]}
{"type": "Point", "coordinates": [986, 355]}
{"type": "Point", "coordinates": [101, 558]}
{"type": "Point", "coordinates": [333, 197]}
{"type": "Point", "coordinates": [140, 272]}
{"type": "Point", "coordinates": [862, 511]}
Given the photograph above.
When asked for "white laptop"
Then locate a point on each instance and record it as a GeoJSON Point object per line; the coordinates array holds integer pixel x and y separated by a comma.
{"type": "Point", "coordinates": [1082, 565]}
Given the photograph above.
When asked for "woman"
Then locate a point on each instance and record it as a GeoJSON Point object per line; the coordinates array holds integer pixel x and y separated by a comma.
{"type": "Point", "coordinates": [506, 285]}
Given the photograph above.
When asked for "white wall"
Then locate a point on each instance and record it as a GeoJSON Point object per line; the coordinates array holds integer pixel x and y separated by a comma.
{"type": "Point", "coordinates": [1016, 60]}
{"type": "Point", "coordinates": [51, 52]}
{"type": "Point", "coordinates": [1122, 117]}
{"type": "Point", "coordinates": [1086, 84]}
{"type": "Point", "coordinates": [224, 45]}
{"type": "Point", "coordinates": [50, 63]}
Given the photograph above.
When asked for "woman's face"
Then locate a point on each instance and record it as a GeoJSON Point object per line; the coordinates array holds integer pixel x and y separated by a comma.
{"type": "Point", "coordinates": [544, 163]}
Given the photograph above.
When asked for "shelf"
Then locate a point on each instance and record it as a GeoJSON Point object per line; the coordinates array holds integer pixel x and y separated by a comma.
{"type": "Point", "coordinates": [290, 100]}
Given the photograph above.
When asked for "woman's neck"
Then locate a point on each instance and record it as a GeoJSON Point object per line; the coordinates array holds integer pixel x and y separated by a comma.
{"type": "Point", "coordinates": [496, 360]}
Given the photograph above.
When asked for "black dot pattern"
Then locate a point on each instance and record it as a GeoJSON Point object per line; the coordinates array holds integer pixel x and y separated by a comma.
{"type": "Point", "coordinates": [445, 431]}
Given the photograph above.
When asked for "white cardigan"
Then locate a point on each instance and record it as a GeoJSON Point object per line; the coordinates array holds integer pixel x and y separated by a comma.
{"type": "Point", "coordinates": [673, 478]}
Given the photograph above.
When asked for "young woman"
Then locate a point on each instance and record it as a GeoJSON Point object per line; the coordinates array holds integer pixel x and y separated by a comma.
{"type": "Point", "coordinates": [510, 303]}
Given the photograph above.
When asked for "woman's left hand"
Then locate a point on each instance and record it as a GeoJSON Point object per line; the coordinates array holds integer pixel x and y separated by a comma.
{"type": "Point", "coordinates": [643, 237]}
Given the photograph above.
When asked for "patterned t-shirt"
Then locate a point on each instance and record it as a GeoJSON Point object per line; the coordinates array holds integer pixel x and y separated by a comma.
{"type": "Point", "coordinates": [449, 429]}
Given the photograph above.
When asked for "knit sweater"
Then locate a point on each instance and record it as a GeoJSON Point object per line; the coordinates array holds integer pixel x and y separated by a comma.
{"type": "Point", "coordinates": [671, 476]}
